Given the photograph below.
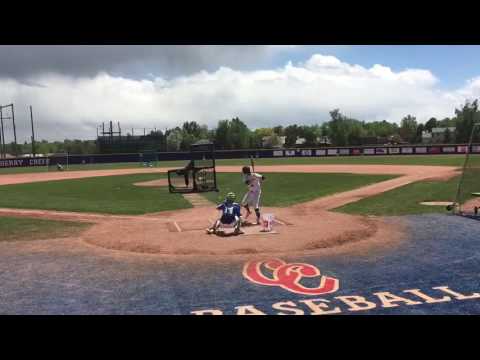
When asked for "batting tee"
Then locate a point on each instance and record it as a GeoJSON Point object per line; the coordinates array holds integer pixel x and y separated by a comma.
{"type": "Point", "coordinates": [199, 174]}
{"type": "Point", "coordinates": [467, 201]}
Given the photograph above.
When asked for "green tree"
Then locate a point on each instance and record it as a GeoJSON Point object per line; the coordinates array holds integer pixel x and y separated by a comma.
{"type": "Point", "coordinates": [420, 130]}
{"type": "Point", "coordinates": [222, 134]}
{"type": "Point", "coordinates": [257, 136]}
{"type": "Point", "coordinates": [338, 128]}
{"type": "Point", "coordinates": [447, 138]}
{"type": "Point", "coordinates": [239, 134]}
{"type": "Point", "coordinates": [279, 130]}
{"type": "Point", "coordinates": [232, 134]}
{"type": "Point", "coordinates": [291, 134]}
{"type": "Point", "coordinates": [310, 134]}
{"type": "Point", "coordinates": [408, 128]}
{"type": "Point", "coordinates": [430, 124]}
{"type": "Point", "coordinates": [465, 118]}
{"type": "Point", "coordinates": [174, 140]}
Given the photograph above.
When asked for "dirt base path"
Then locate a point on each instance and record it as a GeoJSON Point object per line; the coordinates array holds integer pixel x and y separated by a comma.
{"type": "Point", "coordinates": [306, 227]}
{"type": "Point", "coordinates": [423, 172]}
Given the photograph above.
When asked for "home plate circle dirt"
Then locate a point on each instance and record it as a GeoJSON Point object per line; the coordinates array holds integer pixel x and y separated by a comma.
{"type": "Point", "coordinates": [183, 233]}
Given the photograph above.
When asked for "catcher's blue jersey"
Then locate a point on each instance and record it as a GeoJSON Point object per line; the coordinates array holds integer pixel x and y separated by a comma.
{"type": "Point", "coordinates": [229, 212]}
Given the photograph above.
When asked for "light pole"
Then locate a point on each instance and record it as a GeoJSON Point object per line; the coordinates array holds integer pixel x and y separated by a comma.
{"type": "Point", "coordinates": [14, 128]}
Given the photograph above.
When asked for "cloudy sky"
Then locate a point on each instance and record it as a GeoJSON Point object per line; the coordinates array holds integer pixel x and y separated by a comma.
{"type": "Point", "coordinates": [74, 88]}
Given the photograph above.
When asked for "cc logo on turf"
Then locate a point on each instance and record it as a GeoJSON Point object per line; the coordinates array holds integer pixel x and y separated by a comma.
{"type": "Point", "coordinates": [276, 272]}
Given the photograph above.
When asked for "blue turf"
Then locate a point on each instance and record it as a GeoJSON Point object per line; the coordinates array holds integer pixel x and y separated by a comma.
{"type": "Point", "coordinates": [440, 251]}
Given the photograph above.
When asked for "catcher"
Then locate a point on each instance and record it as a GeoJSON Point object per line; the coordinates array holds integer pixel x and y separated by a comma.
{"type": "Point", "coordinates": [252, 197]}
{"type": "Point", "coordinates": [231, 215]}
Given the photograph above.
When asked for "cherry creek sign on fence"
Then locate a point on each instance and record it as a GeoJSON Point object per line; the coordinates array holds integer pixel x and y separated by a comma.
{"type": "Point", "coordinates": [258, 153]}
{"type": "Point", "coordinates": [25, 162]}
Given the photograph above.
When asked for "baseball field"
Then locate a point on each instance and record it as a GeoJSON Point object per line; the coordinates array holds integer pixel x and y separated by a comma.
{"type": "Point", "coordinates": [350, 236]}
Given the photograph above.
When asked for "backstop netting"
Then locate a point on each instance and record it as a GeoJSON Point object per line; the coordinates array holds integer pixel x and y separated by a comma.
{"type": "Point", "coordinates": [58, 162]}
{"type": "Point", "coordinates": [468, 194]}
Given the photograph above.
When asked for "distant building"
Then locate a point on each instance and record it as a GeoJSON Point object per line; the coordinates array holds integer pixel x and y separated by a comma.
{"type": "Point", "coordinates": [31, 155]}
{"type": "Point", "coordinates": [439, 135]}
{"type": "Point", "coordinates": [426, 137]}
{"type": "Point", "coordinates": [373, 140]}
{"type": "Point", "coordinates": [273, 141]}
{"type": "Point", "coordinates": [324, 140]}
{"type": "Point", "coordinates": [300, 141]}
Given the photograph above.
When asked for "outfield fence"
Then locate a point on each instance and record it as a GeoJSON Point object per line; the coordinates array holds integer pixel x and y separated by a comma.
{"type": "Point", "coordinates": [255, 153]}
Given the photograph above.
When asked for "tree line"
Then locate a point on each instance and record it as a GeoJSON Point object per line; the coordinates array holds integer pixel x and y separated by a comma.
{"type": "Point", "coordinates": [339, 130]}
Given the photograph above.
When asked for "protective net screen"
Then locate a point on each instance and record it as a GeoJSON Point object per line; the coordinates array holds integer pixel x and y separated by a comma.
{"type": "Point", "coordinates": [205, 179]}
{"type": "Point", "coordinates": [468, 197]}
{"type": "Point", "coordinates": [192, 180]}
{"type": "Point", "coordinates": [180, 180]}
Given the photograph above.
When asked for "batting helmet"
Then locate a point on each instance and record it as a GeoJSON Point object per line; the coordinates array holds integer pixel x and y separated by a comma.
{"type": "Point", "coordinates": [246, 170]}
{"type": "Point", "coordinates": [231, 196]}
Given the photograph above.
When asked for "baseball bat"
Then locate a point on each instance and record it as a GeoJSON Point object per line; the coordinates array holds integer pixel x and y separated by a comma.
{"type": "Point", "coordinates": [252, 163]}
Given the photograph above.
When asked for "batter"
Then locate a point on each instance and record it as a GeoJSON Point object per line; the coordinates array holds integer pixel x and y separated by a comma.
{"type": "Point", "coordinates": [252, 197]}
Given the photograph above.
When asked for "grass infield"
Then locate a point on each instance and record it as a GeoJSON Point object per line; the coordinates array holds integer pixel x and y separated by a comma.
{"type": "Point", "coordinates": [16, 229]}
{"type": "Point", "coordinates": [406, 199]}
{"type": "Point", "coordinates": [291, 188]}
{"type": "Point", "coordinates": [111, 195]}
{"type": "Point", "coordinates": [118, 195]}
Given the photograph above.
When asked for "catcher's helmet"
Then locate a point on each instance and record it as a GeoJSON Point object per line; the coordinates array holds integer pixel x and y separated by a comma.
{"type": "Point", "coordinates": [246, 169]}
{"type": "Point", "coordinates": [231, 196]}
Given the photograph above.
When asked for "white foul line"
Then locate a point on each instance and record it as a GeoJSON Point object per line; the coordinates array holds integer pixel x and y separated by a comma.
{"type": "Point", "coordinates": [178, 227]}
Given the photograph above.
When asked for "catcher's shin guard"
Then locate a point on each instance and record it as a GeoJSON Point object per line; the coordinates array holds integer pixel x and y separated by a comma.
{"type": "Point", "coordinates": [238, 224]}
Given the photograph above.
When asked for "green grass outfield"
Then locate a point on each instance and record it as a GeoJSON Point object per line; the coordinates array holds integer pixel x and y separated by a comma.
{"type": "Point", "coordinates": [109, 194]}
{"type": "Point", "coordinates": [406, 199]}
{"type": "Point", "coordinates": [15, 229]}
{"type": "Point", "coordinates": [291, 188]}
{"type": "Point", "coordinates": [118, 195]}
{"type": "Point", "coordinates": [433, 160]}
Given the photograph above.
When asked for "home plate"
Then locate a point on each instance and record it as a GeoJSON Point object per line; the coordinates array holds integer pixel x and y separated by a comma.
{"type": "Point", "coordinates": [255, 230]}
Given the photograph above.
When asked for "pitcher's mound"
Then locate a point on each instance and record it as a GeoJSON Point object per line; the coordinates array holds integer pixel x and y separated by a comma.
{"type": "Point", "coordinates": [153, 183]}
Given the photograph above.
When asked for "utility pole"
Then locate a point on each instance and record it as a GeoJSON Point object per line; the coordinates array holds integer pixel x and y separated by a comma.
{"type": "Point", "coordinates": [33, 131]}
{"type": "Point", "coordinates": [14, 131]}
{"type": "Point", "coordinates": [2, 136]}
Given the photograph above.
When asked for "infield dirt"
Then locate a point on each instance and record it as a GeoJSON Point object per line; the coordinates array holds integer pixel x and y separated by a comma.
{"type": "Point", "coordinates": [306, 228]}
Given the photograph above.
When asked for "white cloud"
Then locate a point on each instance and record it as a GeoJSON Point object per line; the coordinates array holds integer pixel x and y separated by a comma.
{"type": "Point", "coordinates": [296, 93]}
